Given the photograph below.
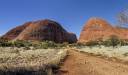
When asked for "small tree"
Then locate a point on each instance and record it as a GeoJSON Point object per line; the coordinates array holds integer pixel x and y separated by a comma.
{"type": "Point", "coordinates": [92, 43]}
{"type": "Point", "coordinates": [112, 41]}
{"type": "Point", "coordinates": [3, 42]}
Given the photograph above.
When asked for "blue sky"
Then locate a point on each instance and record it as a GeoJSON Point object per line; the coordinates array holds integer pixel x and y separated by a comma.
{"type": "Point", "coordinates": [72, 14]}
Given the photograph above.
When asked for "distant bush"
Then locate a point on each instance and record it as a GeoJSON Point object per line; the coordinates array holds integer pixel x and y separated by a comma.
{"type": "Point", "coordinates": [46, 44]}
{"type": "Point", "coordinates": [49, 44]}
{"type": "Point", "coordinates": [19, 43]}
{"type": "Point", "coordinates": [123, 42]}
{"type": "Point", "coordinates": [4, 42]}
{"type": "Point", "coordinates": [35, 44]}
{"type": "Point", "coordinates": [112, 41]}
{"type": "Point", "coordinates": [92, 43]}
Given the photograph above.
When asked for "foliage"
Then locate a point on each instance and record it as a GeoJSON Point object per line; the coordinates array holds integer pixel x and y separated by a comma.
{"type": "Point", "coordinates": [20, 43]}
{"type": "Point", "coordinates": [92, 43]}
{"type": "Point", "coordinates": [44, 45]}
{"type": "Point", "coordinates": [4, 42]}
{"type": "Point", "coordinates": [112, 41]}
{"type": "Point", "coordinates": [49, 44]}
{"type": "Point", "coordinates": [35, 44]}
{"type": "Point", "coordinates": [17, 43]}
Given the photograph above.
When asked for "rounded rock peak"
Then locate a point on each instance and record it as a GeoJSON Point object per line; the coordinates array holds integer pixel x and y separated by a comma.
{"type": "Point", "coordinates": [95, 21]}
{"type": "Point", "coordinates": [43, 30]}
{"type": "Point", "coordinates": [46, 21]}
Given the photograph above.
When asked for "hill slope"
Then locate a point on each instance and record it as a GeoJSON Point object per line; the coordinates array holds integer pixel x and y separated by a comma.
{"type": "Point", "coordinates": [97, 28]}
{"type": "Point", "coordinates": [41, 30]}
{"type": "Point", "coordinates": [13, 33]}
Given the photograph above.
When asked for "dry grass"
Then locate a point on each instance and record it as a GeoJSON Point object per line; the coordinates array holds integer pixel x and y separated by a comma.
{"type": "Point", "coordinates": [12, 59]}
{"type": "Point", "coordinates": [120, 53]}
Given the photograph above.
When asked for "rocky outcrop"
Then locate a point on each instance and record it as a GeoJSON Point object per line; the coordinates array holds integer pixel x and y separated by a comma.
{"type": "Point", "coordinates": [42, 30]}
{"type": "Point", "coordinates": [97, 28]}
{"type": "Point", "coordinates": [13, 33]}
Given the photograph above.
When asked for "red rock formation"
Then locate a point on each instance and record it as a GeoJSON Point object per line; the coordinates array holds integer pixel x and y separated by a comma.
{"type": "Point", "coordinates": [97, 28]}
{"type": "Point", "coordinates": [13, 33]}
{"type": "Point", "coordinates": [42, 30]}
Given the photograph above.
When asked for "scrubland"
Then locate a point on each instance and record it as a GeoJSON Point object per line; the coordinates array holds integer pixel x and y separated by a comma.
{"type": "Point", "coordinates": [18, 61]}
{"type": "Point", "coordinates": [119, 52]}
{"type": "Point", "coordinates": [42, 58]}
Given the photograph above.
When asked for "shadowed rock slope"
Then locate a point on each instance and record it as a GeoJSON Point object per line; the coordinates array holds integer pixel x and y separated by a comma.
{"type": "Point", "coordinates": [13, 33]}
{"type": "Point", "coordinates": [41, 30]}
{"type": "Point", "coordinates": [97, 28]}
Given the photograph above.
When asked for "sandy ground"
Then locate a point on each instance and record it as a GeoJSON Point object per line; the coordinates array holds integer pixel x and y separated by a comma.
{"type": "Point", "coordinates": [83, 64]}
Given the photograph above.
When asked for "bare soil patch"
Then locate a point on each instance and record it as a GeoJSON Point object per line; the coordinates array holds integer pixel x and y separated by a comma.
{"type": "Point", "coordinates": [83, 64]}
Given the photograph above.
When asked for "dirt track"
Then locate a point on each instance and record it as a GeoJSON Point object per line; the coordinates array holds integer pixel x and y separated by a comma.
{"type": "Point", "coordinates": [82, 64]}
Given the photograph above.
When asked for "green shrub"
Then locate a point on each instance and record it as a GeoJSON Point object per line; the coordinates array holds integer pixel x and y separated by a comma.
{"type": "Point", "coordinates": [113, 41]}
{"type": "Point", "coordinates": [20, 43]}
{"type": "Point", "coordinates": [92, 43]}
{"type": "Point", "coordinates": [45, 45]}
{"type": "Point", "coordinates": [17, 43]}
{"type": "Point", "coordinates": [51, 44]}
{"type": "Point", "coordinates": [4, 42]}
{"type": "Point", "coordinates": [123, 42]}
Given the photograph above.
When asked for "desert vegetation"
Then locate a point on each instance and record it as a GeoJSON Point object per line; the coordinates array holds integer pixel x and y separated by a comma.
{"type": "Point", "coordinates": [30, 57]}
{"type": "Point", "coordinates": [111, 48]}
{"type": "Point", "coordinates": [40, 57]}
{"type": "Point", "coordinates": [120, 53]}
{"type": "Point", "coordinates": [35, 44]}
{"type": "Point", "coordinates": [113, 41]}
{"type": "Point", "coordinates": [18, 61]}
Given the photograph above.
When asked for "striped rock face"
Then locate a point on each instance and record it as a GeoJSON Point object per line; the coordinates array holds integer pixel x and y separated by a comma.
{"type": "Point", "coordinates": [42, 30]}
{"type": "Point", "coordinates": [97, 28]}
{"type": "Point", "coordinates": [13, 33]}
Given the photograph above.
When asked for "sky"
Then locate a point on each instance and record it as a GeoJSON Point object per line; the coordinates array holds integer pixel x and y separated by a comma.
{"type": "Point", "coordinates": [71, 14]}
